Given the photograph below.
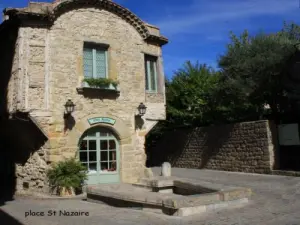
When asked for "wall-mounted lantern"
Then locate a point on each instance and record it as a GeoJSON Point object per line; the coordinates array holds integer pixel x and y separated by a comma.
{"type": "Point", "coordinates": [142, 109]}
{"type": "Point", "coordinates": [69, 108]}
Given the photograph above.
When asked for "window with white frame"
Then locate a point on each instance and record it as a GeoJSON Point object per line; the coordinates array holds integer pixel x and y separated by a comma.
{"type": "Point", "coordinates": [95, 61]}
{"type": "Point", "coordinates": [151, 73]}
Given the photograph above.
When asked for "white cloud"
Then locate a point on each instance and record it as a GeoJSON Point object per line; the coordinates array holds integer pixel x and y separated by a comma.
{"type": "Point", "coordinates": [200, 24]}
{"type": "Point", "coordinates": [210, 15]}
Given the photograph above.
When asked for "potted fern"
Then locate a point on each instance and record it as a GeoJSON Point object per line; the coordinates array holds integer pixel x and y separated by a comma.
{"type": "Point", "coordinates": [102, 83]}
{"type": "Point", "coordinates": [66, 177]}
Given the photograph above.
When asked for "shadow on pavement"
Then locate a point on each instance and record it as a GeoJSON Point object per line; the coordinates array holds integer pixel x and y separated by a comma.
{"type": "Point", "coordinates": [7, 219]}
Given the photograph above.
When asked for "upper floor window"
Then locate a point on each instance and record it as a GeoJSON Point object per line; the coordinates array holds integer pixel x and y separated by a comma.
{"type": "Point", "coordinates": [95, 61]}
{"type": "Point", "coordinates": [151, 73]}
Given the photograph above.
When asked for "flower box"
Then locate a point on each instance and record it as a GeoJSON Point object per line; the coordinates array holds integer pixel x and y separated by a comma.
{"type": "Point", "coordinates": [104, 87]}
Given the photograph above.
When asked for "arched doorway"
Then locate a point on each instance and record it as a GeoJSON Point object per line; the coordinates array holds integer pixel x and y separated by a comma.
{"type": "Point", "coordinates": [99, 152]}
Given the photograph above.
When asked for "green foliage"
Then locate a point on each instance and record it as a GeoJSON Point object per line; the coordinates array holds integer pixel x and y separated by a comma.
{"type": "Point", "coordinates": [67, 174]}
{"type": "Point", "coordinates": [101, 82]}
{"type": "Point", "coordinates": [256, 66]}
{"type": "Point", "coordinates": [291, 31]}
{"type": "Point", "coordinates": [190, 92]}
{"type": "Point", "coordinates": [198, 96]}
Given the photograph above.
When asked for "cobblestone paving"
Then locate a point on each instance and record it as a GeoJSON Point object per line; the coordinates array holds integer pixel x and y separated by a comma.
{"type": "Point", "coordinates": [276, 200]}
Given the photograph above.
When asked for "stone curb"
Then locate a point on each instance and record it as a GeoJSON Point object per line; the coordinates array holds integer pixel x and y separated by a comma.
{"type": "Point", "coordinates": [82, 197]}
{"type": "Point", "coordinates": [189, 211]}
{"type": "Point", "coordinates": [286, 173]}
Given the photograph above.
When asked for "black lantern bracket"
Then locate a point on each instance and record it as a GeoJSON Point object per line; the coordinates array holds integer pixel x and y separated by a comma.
{"type": "Point", "coordinates": [69, 108]}
{"type": "Point", "coordinates": [141, 109]}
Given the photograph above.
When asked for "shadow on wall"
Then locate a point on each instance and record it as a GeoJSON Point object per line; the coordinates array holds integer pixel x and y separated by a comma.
{"type": "Point", "coordinates": [7, 42]}
{"type": "Point", "coordinates": [139, 123]}
{"type": "Point", "coordinates": [240, 147]}
{"type": "Point", "coordinates": [178, 145]}
{"type": "Point", "coordinates": [69, 123]}
{"type": "Point", "coordinates": [18, 137]}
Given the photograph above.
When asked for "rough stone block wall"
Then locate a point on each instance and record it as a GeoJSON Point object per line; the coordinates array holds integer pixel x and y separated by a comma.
{"type": "Point", "coordinates": [12, 88]}
{"type": "Point", "coordinates": [50, 70]}
{"type": "Point", "coordinates": [243, 147]}
{"type": "Point", "coordinates": [32, 175]}
{"type": "Point", "coordinates": [155, 98]}
{"type": "Point", "coordinates": [20, 139]}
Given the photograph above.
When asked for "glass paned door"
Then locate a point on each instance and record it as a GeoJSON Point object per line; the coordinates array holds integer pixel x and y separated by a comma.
{"type": "Point", "coordinates": [99, 153]}
{"type": "Point", "coordinates": [108, 156]}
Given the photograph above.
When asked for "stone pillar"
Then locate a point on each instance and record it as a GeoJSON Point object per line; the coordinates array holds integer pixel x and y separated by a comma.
{"type": "Point", "coordinates": [166, 169]}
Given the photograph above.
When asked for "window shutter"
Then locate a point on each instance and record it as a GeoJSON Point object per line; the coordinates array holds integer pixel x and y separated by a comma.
{"type": "Point", "coordinates": [153, 75]}
{"type": "Point", "coordinates": [100, 64]}
{"type": "Point", "coordinates": [88, 62]}
{"type": "Point", "coordinates": [148, 76]}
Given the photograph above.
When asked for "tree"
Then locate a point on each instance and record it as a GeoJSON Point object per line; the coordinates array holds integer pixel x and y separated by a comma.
{"type": "Point", "coordinates": [190, 94]}
{"type": "Point", "coordinates": [258, 65]}
{"type": "Point", "coordinates": [197, 95]}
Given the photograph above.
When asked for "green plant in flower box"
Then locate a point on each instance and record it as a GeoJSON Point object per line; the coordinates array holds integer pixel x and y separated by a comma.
{"type": "Point", "coordinates": [101, 82]}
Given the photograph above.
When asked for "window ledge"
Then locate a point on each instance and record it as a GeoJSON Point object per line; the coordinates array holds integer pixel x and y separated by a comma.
{"type": "Point", "coordinates": [110, 88]}
{"type": "Point", "coordinates": [152, 92]}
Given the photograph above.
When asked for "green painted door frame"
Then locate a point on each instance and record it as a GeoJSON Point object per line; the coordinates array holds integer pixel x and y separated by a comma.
{"type": "Point", "coordinates": [99, 151]}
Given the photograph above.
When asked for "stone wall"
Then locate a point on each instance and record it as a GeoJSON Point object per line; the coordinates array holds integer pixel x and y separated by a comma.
{"type": "Point", "coordinates": [126, 60]}
{"type": "Point", "coordinates": [24, 155]}
{"type": "Point", "coordinates": [50, 70]}
{"type": "Point", "coordinates": [244, 147]}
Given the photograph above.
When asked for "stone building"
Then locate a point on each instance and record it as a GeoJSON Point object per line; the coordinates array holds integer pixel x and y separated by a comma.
{"type": "Point", "coordinates": [53, 52]}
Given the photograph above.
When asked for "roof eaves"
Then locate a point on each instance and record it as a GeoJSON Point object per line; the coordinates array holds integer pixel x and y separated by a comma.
{"type": "Point", "coordinates": [159, 39]}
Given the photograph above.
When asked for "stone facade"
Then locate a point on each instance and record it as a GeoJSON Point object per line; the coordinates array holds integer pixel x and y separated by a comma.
{"type": "Point", "coordinates": [48, 64]}
{"type": "Point", "coordinates": [242, 147]}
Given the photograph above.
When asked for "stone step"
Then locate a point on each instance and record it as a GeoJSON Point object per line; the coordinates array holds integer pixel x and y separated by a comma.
{"type": "Point", "coordinates": [142, 185]}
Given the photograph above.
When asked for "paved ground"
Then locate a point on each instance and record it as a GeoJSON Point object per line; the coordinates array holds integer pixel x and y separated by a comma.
{"type": "Point", "coordinates": [276, 201]}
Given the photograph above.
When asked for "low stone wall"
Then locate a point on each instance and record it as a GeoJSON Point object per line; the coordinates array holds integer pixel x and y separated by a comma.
{"type": "Point", "coordinates": [242, 147]}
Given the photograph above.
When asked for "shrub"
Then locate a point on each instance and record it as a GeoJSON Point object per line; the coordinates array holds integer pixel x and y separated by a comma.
{"type": "Point", "coordinates": [67, 176]}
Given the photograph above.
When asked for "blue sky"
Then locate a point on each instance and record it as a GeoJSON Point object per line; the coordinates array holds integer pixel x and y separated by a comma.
{"type": "Point", "coordinates": [199, 29]}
